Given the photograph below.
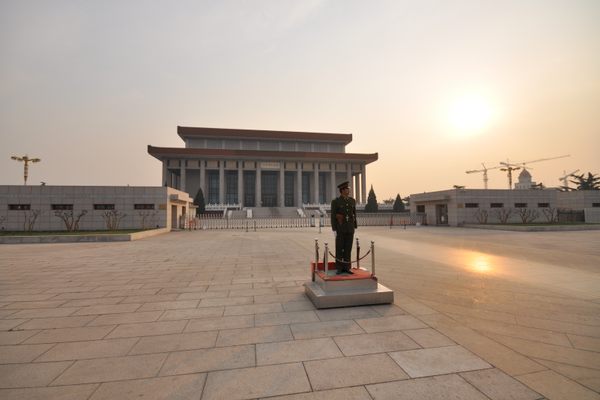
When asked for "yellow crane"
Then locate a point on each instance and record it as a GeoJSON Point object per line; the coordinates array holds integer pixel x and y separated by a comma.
{"type": "Point", "coordinates": [510, 167]}
{"type": "Point", "coordinates": [26, 160]}
{"type": "Point", "coordinates": [484, 170]}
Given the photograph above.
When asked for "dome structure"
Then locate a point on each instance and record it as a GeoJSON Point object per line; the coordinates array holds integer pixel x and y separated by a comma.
{"type": "Point", "coordinates": [525, 181]}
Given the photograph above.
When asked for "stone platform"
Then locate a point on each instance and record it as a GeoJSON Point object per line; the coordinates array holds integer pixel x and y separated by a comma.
{"type": "Point", "coordinates": [330, 290]}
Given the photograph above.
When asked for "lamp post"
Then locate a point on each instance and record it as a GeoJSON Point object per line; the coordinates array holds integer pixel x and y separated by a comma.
{"type": "Point", "coordinates": [26, 160]}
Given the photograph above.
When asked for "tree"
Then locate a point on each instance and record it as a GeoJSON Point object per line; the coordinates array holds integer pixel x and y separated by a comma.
{"type": "Point", "coordinates": [398, 204]}
{"type": "Point", "coordinates": [71, 221]}
{"type": "Point", "coordinates": [371, 205]}
{"type": "Point", "coordinates": [591, 182]}
{"type": "Point", "coordinates": [503, 214]}
{"type": "Point", "coordinates": [527, 215]}
{"type": "Point", "coordinates": [112, 219]}
{"type": "Point", "coordinates": [199, 202]}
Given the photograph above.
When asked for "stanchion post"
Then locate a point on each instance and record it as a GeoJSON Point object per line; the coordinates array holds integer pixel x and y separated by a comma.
{"type": "Point", "coordinates": [372, 258]}
{"type": "Point", "coordinates": [316, 265]}
{"type": "Point", "coordinates": [325, 260]}
{"type": "Point", "coordinates": [255, 226]}
{"type": "Point", "coordinates": [357, 254]}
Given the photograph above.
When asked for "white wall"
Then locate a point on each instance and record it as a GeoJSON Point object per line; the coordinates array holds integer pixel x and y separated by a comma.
{"type": "Point", "coordinates": [41, 198]}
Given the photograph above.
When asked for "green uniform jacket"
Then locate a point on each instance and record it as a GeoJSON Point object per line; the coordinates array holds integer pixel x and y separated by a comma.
{"type": "Point", "coordinates": [343, 214]}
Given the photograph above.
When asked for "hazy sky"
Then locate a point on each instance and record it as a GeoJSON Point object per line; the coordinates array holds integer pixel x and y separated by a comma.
{"type": "Point", "coordinates": [435, 87]}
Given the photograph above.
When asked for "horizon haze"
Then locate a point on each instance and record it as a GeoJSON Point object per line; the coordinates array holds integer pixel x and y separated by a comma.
{"type": "Point", "coordinates": [436, 88]}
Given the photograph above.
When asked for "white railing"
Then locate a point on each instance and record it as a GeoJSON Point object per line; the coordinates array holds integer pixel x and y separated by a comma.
{"type": "Point", "coordinates": [376, 219]}
{"type": "Point", "coordinates": [222, 207]}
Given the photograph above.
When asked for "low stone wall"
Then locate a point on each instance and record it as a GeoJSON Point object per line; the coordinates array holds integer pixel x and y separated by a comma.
{"type": "Point", "coordinates": [82, 238]}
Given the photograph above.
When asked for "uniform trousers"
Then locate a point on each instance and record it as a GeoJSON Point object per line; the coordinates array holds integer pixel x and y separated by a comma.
{"type": "Point", "coordinates": [343, 250]}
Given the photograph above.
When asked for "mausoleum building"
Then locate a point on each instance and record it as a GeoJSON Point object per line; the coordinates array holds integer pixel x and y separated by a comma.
{"type": "Point", "coordinates": [261, 168]}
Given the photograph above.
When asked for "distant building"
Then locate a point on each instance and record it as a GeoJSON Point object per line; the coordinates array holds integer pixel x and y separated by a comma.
{"type": "Point", "coordinates": [525, 181]}
{"type": "Point", "coordinates": [473, 206]}
{"type": "Point", "coordinates": [137, 207]}
{"type": "Point", "coordinates": [259, 168]}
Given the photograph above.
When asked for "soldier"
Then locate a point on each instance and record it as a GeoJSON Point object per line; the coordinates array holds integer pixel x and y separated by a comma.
{"type": "Point", "coordinates": [343, 223]}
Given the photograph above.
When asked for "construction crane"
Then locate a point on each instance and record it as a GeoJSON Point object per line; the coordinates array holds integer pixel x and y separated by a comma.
{"type": "Point", "coordinates": [484, 170]}
{"type": "Point", "coordinates": [565, 176]}
{"type": "Point", "coordinates": [26, 160]}
{"type": "Point", "coordinates": [510, 167]}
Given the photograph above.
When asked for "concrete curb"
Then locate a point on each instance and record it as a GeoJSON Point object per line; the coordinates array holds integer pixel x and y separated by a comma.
{"type": "Point", "coordinates": [549, 228]}
{"type": "Point", "coordinates": [82, 238]}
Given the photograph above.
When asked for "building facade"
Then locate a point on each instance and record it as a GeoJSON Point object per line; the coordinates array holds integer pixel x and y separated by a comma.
{"type": "Point", "coordinates": [45, 208]}
{"type": "Point", "coordinates": [457, 207]}
{"type": "Point", "coordinates": [259, 168]}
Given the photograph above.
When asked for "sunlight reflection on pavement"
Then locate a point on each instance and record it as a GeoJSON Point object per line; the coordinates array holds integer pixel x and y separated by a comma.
{"type": "Point", "coordinates": [553, 276]}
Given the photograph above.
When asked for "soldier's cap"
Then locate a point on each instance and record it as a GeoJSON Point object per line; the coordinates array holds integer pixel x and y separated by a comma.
{"type": "Point", "coordinates": [344, 185]}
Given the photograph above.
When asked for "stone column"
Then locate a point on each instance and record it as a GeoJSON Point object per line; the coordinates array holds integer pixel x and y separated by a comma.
{"type": "Point", "coordinates": [203, 178]}
{"type": "Point", "coordinates": [281, 188]}
{"type": "Point", "coordinates": [363, 183]}
{"type": "Point", "coordinates": [357, 188]}
{"type": "Point", "coordinates": [182, 174]}
{"type": "Point", "coordinates": [258, 185]}
{"type": "Point", "coordinates": [165, 173]}
{"type": "Point", "coordinates": [222, 182]}
{"type": "Point", "coordinates": [316, 179]}
{"type": "Point", "coordinates": [349, 179]}
{"type": "Point", "coordinates": [240, 184]}
{"type": "Point", "coordinates": [333, 184]}
{"type": "Point", "coordinates": [299, 185]}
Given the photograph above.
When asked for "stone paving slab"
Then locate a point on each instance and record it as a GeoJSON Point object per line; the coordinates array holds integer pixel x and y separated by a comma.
{"type": "Point", "coordinates": [30, 375]}
{"type": "Point", "coordinates": [72, 392]}
{"type": "Point", "coordinates": [353, 393]}
{"type": "Point", "coordinates": [450, 387]}
{"type": "Point", "coordinates": [250, 383]}
{"type": "Point", "coordinates": [296, 350]}
{"type": "Point", "coordinates": [87, 350]}
{"type": "Point", "coordinates": [438, 361]}
{"type": "Point", "coordinates": [177, 342]}
{"type": "Point", "coordinates": [220, 358]}
{"type": "Point", "coordinates": [111, 369]}
{"type": "Point", "coordinates": [498, 386]}
{"type": "Point", "coordinates": [163, 388]}
{"type": "Point", "coordinates": [557, 387]}
{"type": "Point", "coordinates": [352, 371]}
{"type": "Point", "coordinates": [204, 315]}
{"type": "Point", "coordinates": [370, 343]}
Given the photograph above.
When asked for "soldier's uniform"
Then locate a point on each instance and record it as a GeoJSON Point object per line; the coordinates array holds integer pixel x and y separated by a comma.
{"type": "Point", "coordinates": [343, 222]}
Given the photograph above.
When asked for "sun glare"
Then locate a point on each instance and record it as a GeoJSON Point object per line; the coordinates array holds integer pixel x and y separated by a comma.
{"type": "Point", "coordinates": [470, 115]}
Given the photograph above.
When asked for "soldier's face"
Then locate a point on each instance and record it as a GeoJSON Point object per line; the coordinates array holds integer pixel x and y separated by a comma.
{"type": "Point", "coordinates": [345, 191]}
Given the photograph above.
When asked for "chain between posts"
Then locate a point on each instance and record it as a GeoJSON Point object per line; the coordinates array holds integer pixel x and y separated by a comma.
{"type": "Point", "coordinates": [327, 253]}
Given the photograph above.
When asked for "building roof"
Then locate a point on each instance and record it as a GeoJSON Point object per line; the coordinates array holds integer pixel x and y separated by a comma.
{"type": "Point", "coordinates": [193, 132]}
{"type": "Point", "coordinates": [524, 174]}
{"type": "Point", "coordinates": [162, 153]}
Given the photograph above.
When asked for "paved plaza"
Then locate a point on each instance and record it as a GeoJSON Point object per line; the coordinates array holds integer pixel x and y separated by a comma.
{"type": "Point", "coordinates": [222, 315]}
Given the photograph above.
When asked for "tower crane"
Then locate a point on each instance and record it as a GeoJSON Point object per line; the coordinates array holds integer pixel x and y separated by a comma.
{"type": "Point", "coordinates": [510, 167]}
{"type": "Point", "coordinates": [565, 176]}
{"type": "Point", "coordinates": [484, 170]}
{"type": "Point", "coordinates": [26, 160]}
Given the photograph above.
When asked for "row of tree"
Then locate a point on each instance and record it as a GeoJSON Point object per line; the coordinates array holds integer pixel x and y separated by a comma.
{"type": "Point", "coordinates": [372, 205]}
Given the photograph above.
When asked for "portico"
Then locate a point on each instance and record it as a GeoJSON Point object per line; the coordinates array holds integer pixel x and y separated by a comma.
{"type": "Point", "coordinates": [253, 168]}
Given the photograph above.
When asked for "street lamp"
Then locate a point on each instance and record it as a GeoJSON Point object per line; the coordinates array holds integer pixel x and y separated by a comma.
{"type": "Point", "coordinates": [26, 160]}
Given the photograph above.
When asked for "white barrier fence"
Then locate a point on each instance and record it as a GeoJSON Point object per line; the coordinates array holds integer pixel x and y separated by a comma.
{"type": "Point", "coordinates": [375, 219]}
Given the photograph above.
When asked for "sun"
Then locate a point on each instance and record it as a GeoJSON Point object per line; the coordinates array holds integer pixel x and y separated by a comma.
{"type": "Point", "coordinates": [470, 115]}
